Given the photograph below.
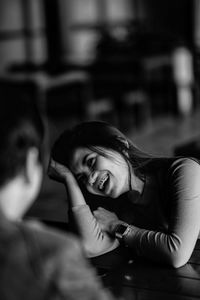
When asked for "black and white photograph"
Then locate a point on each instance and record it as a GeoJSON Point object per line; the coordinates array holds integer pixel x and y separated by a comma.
{"type": "Point", "coordinates": [99, 149]}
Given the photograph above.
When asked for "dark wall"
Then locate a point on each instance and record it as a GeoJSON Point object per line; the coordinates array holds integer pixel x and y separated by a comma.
{"type": "Point", "coordinates": [173, 17]}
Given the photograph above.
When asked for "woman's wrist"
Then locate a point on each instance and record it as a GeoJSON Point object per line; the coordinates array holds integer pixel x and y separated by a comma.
{"type": "Point", "coordinates": [69, 180]}
{"type": "Point", "coordinates": [74, 192]}
{"type": "Point", "coordinates": [115, 224]}
{"type": "Point", "coordinates": [121, 230]}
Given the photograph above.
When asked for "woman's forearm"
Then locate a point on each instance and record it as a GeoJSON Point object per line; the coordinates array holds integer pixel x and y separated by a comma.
{"type": "Point", "coordinates": [169, 248]}
{"type": "Point", "coordinates": [62, 173]}
{"type": "Point", "coordinates": [157, 246]}
{"type": "Point", "coordinates": [74, 192]}
{"type": "Point", "coordinates": [95, 241]}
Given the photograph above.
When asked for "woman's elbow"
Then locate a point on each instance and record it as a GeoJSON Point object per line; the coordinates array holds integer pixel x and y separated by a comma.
{"type": "Point", "coordinates": [94, 248]}
{"type": "Point", "coordinates": [90, 249]}
{"type": "Point", "coordinates": [178, 260]}
{"type": "Point", "coordinates": [178, 253]}
{"type": "Point", "coordinates": [177, 264]}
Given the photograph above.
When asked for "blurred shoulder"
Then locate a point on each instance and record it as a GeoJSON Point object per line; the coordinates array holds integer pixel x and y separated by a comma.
{"type": "Point", "coordinates": [49, 238]}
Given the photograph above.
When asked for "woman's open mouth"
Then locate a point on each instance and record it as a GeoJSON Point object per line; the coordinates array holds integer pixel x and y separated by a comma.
{"type": "Point", "coordinates": [103, 182]}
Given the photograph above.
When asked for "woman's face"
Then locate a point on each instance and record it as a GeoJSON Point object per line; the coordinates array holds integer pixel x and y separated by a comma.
{"type": "Point", "coordinates": [102, 175]}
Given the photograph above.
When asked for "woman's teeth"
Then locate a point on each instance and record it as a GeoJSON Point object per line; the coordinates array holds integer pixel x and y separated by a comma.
{"type": "Point", "coordinates": [102, 182]}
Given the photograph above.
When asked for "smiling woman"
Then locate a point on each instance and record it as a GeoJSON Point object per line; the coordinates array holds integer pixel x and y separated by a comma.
{"type": "Point", "coordinates": [158, 197]}
{"type": "Point", "coordinates": [104, 175]}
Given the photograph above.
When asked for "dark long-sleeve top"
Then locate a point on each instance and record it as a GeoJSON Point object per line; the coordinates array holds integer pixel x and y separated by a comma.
{"type": "Point", "coordinates": [164, 218]}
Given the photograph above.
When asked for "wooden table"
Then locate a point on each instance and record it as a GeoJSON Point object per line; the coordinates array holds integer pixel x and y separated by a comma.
{"type": "Point", "coordinates": [137, 278]}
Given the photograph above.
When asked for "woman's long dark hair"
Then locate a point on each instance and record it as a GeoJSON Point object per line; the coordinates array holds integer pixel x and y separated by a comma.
{"type": "Point", "coordinates": [96, 134]}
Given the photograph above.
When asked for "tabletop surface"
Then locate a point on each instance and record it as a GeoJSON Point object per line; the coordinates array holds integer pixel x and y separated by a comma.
{"type": "Point", "coordinates": [137, 278]}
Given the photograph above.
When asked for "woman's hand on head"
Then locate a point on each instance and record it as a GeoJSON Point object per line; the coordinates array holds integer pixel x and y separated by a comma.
{"type": "Point", "coordinates": [63, 174]}
{"type": "Point", "coordinates": [107, 219]}
{"type": "Point", "coordinates": [59, 172]}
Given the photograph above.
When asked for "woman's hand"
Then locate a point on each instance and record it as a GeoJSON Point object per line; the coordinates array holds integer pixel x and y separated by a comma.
{"type": "Point", "coordinates": [58, 171]}
{"type": "Point", "coordinates": [63, 174]}
{"type": "Point", "coordinates": [106, 219]}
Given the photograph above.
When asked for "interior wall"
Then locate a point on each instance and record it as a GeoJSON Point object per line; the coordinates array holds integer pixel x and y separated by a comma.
{"type": "Point", "coordinates": [174, 18]}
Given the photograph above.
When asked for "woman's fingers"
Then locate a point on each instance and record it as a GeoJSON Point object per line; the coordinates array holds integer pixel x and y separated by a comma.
{"type": "Point", "coordinates": [96, 213]}
{"type": "Point", "coordinates": [99, 211]}
{"type": "Point", "coordinates": [55, 170]}
{"type": "Point", "coordinates": [52, 162]}
{"type": "Point", "coordinates": [60, 172]}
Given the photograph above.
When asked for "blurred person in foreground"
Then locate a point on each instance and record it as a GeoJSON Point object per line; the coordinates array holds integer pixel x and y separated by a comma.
{"type": "Point", "coordinates": [35, 262]}
{"type": "Point", "coordinates": [150, 205]}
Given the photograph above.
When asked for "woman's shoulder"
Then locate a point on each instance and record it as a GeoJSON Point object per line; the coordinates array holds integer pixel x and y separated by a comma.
{"type": "Point", "coordinates": [189, 166]}
{"type": "Point", "coordinates": [184, 162]}
{"type": "Point", "coordinates": [172, 164]}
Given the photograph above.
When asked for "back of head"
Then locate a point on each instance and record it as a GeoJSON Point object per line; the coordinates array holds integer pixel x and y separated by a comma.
{"type": "Point", "coordinates": [21, 128]}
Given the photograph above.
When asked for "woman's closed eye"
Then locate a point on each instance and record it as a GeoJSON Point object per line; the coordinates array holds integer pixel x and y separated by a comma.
{"type": "Point", "coordinates": [81, 178]}
{"type": "Point", "coordinates": [91, 161]}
